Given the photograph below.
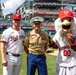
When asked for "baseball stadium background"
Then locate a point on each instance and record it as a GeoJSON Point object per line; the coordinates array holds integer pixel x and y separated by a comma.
{"type": "Point", "coordinates": [49, 10]}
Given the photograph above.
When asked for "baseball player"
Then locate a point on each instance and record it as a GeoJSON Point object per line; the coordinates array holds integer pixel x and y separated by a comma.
{"type": "Point", "coordinates": [64, 38]}
{"type": "Point", "coordinates": [11, 47]}
{"type": "Point", "coordinates": [35, 45]}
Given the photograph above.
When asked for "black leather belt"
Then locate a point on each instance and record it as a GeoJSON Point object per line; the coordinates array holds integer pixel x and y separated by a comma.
{"type": "Point", "coordinates": [16, 55]}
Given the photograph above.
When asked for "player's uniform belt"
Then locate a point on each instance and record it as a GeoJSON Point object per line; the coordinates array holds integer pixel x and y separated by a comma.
{"type": "Point", "coordinates": [17, 55]}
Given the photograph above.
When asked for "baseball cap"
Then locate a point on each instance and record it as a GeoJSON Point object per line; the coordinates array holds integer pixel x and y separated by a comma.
{"type": "Point", "coordinates": [37, 20]}
{"type": "Point", "coordinates": [66, 13]}
{"type": "Point", "coordinates": [17, 16]}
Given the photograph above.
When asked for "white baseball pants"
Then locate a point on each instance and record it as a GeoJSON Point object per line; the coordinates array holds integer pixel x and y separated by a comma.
{"type": "Point", "coordinates": [14, 65]}
{"type": "Point", "coordinates": [65, 70]}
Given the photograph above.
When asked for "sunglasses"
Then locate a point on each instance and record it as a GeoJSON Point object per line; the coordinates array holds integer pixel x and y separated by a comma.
{"type": "Point", "coordinates": [17, 19]}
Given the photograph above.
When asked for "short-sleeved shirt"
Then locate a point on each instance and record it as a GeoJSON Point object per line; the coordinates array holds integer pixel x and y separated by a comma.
{"type": "Point", "coordinates": [36, 43]}
{"type": "Point", "coordinates": [14, 40]}
{"type": "Point", "coordinates": [66, 56]}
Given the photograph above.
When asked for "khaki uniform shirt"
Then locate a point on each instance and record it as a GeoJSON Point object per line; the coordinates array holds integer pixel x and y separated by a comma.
{"type": "Point", "coordinates": [36, 43]}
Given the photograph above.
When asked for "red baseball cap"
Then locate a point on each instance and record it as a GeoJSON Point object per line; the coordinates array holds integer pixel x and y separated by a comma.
{"type": "Point", "coordinates": [17, 16]}
{"type": "Point", "coordinates": [66, 13]}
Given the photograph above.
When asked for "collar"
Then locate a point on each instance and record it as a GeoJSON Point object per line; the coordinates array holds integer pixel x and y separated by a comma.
{"type": "Point", "coordinates": [15, 29]}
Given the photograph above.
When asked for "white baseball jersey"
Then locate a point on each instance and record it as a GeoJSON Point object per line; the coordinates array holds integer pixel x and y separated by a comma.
{"type": "Point", "coordinates": [14, 40]}
{"type": "Point", "coordinates": [66, 56]}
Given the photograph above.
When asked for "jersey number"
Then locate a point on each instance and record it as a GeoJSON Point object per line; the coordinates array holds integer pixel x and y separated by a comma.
{"type": "Point", "coordinates": [67, 53]}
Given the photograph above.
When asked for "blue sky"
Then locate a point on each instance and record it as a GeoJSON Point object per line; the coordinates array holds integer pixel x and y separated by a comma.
{"type": "Point", "coordinates": [10, 5]}
{"type": "Point", "coordinates": [70, 7]}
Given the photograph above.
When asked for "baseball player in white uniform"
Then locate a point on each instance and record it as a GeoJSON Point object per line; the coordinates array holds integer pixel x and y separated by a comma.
{"type": "Point", "coordinates": [11, 47]}
{"type": "Point", "coordinates": [65, 26]}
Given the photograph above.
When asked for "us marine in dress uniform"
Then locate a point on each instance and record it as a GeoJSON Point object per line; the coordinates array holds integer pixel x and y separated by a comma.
{"type": "Point", "coordinates": [35, 45]}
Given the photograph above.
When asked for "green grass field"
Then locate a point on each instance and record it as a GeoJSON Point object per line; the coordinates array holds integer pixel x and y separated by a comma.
{"type": "Point", "coordinates": [51, 64]}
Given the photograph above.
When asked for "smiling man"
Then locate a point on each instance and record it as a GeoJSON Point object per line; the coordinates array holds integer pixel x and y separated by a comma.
{"type": "Point", "coordinates": [11, 47]}
{"type": "Point", "coordinates": [35, 45]}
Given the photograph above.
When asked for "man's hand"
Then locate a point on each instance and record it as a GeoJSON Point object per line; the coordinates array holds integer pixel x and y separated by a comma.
{"type": "Point", "coordinates": [50, 41]}
{"type": "Point", "coordinates": [4, 62]}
